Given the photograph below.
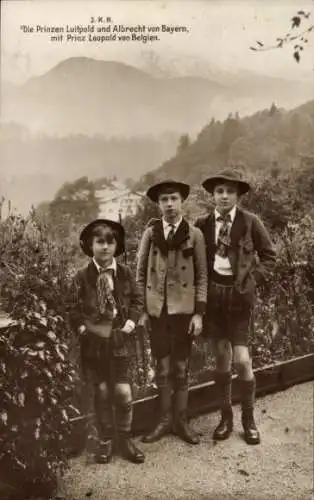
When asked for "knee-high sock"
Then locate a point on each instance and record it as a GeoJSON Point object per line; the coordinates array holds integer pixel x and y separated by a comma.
{"type": "Point", "coordinates": [164, 395]}
{"type": "Point", "coordinates": [248, 389]}
{"type": "Point", "coordinates": [88, 406]}
{"type": "Point", "coordinates": [103, 416]}
{"type": "Point", "coordinates": [224, 390]}
{"type": "Point", "coordinates": [181, 397]}
{"type": "Point", "coordinates": [181, 393]}
{"type": "Point", "coordinates": [124, 417]}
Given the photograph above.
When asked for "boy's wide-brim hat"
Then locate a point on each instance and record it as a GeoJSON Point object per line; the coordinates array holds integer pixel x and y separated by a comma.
{"type": "Point", "coordinates": [227, 176]}
{"type": "Point", "coordinates": [155, 190]}
{"type": "Point", "coordinates": [115, 226]}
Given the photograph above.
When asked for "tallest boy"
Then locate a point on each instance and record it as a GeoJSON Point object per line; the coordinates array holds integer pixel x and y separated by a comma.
{"type": "Point", "coordinates": [239, 255]}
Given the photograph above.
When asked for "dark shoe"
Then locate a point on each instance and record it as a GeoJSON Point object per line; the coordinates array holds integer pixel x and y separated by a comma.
{"type": "Point", "coordinates": [224, 428]}
{"type": "Point", "coordinates": [162, 429]}
{"type": "Point", "coordinates": [185, 432]}
{"type": "Point", "coordinates": [251, 433]}
{"type": "Point", "coordinates": [104, 452]}
{"type": "Point", "coordinates": [131, 452]}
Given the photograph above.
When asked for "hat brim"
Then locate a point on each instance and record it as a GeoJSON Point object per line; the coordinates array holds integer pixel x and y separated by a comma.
{"type": "Point", "coordinates": [155, 190]}
{"type": "Point", "coordinates": [118, 228]}
{"type": "Point", "coordinates": [210, 183]}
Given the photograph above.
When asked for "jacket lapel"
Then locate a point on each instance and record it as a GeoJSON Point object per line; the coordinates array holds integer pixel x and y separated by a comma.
{"type": "Point", "coordinates": [238, 228]}
{"type": "Point", "coordinates": [119, 280]}
{"type": "Point", "coordinates": [181, 235]}
{"type": "Point", "coordinates": [158, 237]}
{"type": "Point", "coordinates": [209, 233]}
{"type": "Point", "coordinates": [92, 273]}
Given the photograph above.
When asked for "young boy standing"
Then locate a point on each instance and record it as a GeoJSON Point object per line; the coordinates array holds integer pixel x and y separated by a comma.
{"type": "Point", "coordinates": [233, 237]}
{"type": "Point", "coordinates": [172, 276]}
{"type": "Point", "coordinates": [107, 306]}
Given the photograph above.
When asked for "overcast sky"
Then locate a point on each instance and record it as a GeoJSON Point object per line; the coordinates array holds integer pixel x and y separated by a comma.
{"type": "Point", "coordinates": [220, 33]}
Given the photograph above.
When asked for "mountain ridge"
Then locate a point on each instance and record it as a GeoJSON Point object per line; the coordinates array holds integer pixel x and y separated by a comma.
{"type": "Point", "coordinates": [89, 96]}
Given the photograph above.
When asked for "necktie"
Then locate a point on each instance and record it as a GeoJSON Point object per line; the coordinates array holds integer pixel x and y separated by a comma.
{"type": "Point", "coordinates": [223, 240]}
{"type": "Point", "coordinates": [106, 301]}
{"type": "Point", "coordinates": [170, 234]}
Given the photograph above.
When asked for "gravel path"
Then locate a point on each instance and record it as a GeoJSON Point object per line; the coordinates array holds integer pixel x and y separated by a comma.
{"type": "Point", "coordinates": [281, 467]}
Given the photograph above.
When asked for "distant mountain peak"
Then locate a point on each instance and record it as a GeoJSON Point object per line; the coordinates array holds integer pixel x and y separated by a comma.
{"type": "Point", "coordinates": [89, 64]}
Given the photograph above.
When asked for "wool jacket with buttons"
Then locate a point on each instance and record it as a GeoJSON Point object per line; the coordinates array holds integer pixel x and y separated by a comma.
{"type": "Point", "coordinates": [251, 253]}
{"type": "Point", "coordinates": [176, 273]}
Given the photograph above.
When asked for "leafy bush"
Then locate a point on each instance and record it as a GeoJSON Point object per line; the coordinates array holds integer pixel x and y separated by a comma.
{"type": "Point", "coordinates": [36, 373]}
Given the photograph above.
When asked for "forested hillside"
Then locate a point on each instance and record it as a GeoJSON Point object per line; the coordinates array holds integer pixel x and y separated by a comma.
{"type": "Point", "coordinates": [272, 139]}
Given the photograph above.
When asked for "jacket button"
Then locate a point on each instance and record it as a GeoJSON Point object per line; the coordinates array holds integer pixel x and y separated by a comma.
{"type": "Point", "coordinates": [185, 285]}
{"type": "Point", "coordinates": [149, 286]}
{"type": "Point", "coordinates": [183, 268]}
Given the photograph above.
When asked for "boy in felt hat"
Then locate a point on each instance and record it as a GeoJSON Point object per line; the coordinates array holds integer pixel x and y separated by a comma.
{"type": "Point", "coordinates": [239, 255]}
{"type": "Point", "coordinates": [107, 306]}
{"type": "Point", "coordinates": [172, 274]}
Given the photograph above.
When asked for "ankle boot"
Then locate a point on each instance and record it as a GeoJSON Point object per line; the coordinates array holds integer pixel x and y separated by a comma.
{"type": "Point", "coordinates": [225, 426]}
{"type": "Point", "coordinates": [184, 431]}
{"type": "Point", "coordinates": [181, 425]}
{"type": "Point", "coordinates": [164, 424]}
{"type": "Point", "coordinates": [251, 433]}
{"type": "Point", "coordinates": [130, 451]}
{"type": "Point", "coordinates": [163, 427]}
{"type": "Point", "coordinates": [224, 391]}
{"type": "Point", "coordinates": [104, 452]}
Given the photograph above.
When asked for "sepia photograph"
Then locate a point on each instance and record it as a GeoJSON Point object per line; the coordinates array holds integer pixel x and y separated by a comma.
{"type": "Point", "coordinates": [157, 250]}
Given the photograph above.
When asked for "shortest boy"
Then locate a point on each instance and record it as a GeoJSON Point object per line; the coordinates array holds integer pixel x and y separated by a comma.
{"type": "Point", "coordinates": [107, 305]}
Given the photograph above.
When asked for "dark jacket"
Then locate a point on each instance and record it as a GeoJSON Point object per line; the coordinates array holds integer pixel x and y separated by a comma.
{"type": "Point", "coordinates": [128, 298]}
{"type": "Point", "coordinates": [251, 253]}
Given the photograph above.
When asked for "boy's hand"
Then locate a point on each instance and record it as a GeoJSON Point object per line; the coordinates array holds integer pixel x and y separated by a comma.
{"type": "Point", "coordinates": [128, 326]}
{"type": "Point", "coordinates": [82, 330]}
{"type": "Point", "coordinates": [196, 325]}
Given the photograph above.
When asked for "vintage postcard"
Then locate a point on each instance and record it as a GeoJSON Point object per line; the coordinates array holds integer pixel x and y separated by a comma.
{"type": "Point", "coordinates": [156, 249]}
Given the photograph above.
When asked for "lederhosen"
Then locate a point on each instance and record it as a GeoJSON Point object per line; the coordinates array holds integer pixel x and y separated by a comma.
{"type": "Point", "coordinates": [228, 315]}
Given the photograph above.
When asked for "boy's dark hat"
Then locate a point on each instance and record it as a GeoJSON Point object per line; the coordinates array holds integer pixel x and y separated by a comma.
{"type": "Point", "coordinates": [155, 190]}
{"type": "Point", "coordinates": [85, 234]}
{"type": "Point", "coordinates": [227, 176]}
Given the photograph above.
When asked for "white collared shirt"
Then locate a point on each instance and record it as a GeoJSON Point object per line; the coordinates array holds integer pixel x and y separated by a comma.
{"type": "Point", "coordinates": [222, 265]}
{"type": "Point", "coordinates": [167, 226]}
{"type": "Point", "coordinates": [129, 324]}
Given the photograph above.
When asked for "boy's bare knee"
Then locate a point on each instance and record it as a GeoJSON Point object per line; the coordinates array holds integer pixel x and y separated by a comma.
{"type": "Point", "coordinates": [180, 370]}
{"type": "Point", "coordinates": [223, 355]}
{"type": "Point", "coordinates": [223, 348]}
{"type": "Point", "coordinates": [123, 392]}
{"type": "Point", "coordinates": [163, 367]}
{"type": "Point", "coordinates": [242, 360]}
{"type": "Point", "coordinates": [242, 366]}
